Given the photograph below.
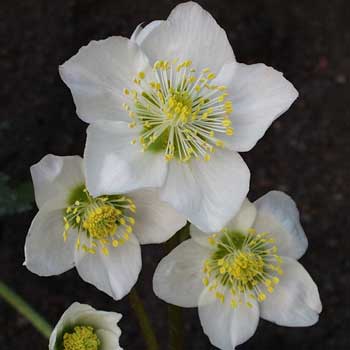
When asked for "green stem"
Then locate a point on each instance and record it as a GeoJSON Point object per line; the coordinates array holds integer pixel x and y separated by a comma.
{"type": "Point", "coordinates": [25, 309]}
{"type": "Point", "coordinates": [176, 331]}
{"type": "Point", "coordinates": [144, 321]}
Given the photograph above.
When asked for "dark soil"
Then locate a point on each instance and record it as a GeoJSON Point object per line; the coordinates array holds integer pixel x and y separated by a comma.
{"type": "Point", "coordinates": [306, 153]}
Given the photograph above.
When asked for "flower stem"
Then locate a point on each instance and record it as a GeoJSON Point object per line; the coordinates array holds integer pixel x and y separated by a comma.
{"type": "Point", "coordinates": [176, 331]}
{"type": "Point", "coordinates": [176, 336]}
{"type": "Point", "coordinates": [25, 309]}
{"type": "Point", "coordinates": [144, 321]}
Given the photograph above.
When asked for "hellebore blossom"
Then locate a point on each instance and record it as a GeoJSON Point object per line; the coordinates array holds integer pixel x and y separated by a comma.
{"type": "Point", "coordinates": [247, 271]}
{"type": "Point", "coordinates": [81, 327]}
{"type": "Point", "coordinates": [100, 236]}
{"type": "Point", "coordinates": [170, 108]}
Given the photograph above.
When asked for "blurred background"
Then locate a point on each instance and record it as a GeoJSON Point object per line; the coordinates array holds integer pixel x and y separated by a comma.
{"type": "Point", "coordinates": [305, 153]}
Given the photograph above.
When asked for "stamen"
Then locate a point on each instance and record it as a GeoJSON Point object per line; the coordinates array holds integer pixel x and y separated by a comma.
{"type": "Point", "coordinates": [106, 221]}
{"type": "Point", "coordinates": [246, 264]}
{"type": "Point", "coordinates": [82, 338]}
{"type": "Point", "coordinates": [179, 113]}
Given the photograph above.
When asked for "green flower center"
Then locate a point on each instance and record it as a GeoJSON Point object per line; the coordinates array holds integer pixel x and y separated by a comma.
{"type": "Point", "coordinates": [246, 264]}
{"type": "Point", "coordinates": [105, 220]}
{"type": "Point", "coordinates": [82, 338]}
{"type": "Point", "coordinates": [179, 112]}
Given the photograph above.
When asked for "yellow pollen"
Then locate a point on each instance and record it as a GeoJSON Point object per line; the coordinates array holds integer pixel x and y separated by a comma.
{"type": "Point", "coordinates": [243, 263]}
{"type": "Point", "coordinates": [179, 111]}
{"type": "Point", "coordinates": [101, 222]}
{"type": "Point", "coordinates": [141, 75]}
{"type": "Point", "coordinates": [246, 266]}
{"type": "Point", "coordinates": [104, 220]}
{"type": "Point", "coordinates": [82, 338]}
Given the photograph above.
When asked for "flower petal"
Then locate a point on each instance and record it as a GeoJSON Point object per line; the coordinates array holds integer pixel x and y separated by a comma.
{"type": "Point", "coordinates": [67, 320]}
{"type": "Point", "coordinates": [54, 177]}
{"type": "Point", "coordinates": [155, 221]}
{"type": "Point", "coordinates": [295, 301]}
{"type": "Point", "coordinates": [108, 340]}
{"type": "Point", "coordinates": [245, 217]}
{"type": "Point", "coordinates": [241, 222]}
{"type": "Point", "coordinates": [114, 165]}
{"type": "Point", "coordinates": [178, 277]}
{"type": "Point", "coordinates": [46, 252]}
{"type": "Point", "coordinates": [189, 33]}
{"type": "Point", "coordinates": [140, 33]}
{"type": "Point", "coordinates": [199, 236]}
{"type": "Point", "coordinates": [114, 274]}
{"type": "Point", "coordinates": [227, 327]}
{"type": "Point", "coordinates": [279, 215]}
{"type": "Point", "coordinates": [98, 74]}
{"type": "Point", "coordinates": [208, 193]}
{"type": "Point", "coordinates": [100, 320]}
{"type": "Point", "coordinates": [226, 75]}
{"type": "Point", "coordinates": [259, 94]}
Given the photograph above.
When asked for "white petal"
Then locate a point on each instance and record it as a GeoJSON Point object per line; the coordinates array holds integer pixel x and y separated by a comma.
{"type": "Point", "coordinates": [199, 236]}
{"type": "Point", "coordinates": [241, 222]}
{"type": "Point", "coordinates": [208, 193]}
{"type": "Point", "coordinates": [114, 274]}
{"type": "Point", "coordinates": [97, 75]}
{"type": "Point", "coordinates": [74, 314]}
{"type": "Point", "coordinates": [67, 320]}
{"type": "Point", "coordinates": [54, 177]}
{"type": "Point", "coordinates": [155, 221]}
{"type": "Point", "coordinates": [279, 215]}
{"type": "Point", "coordinates": [244, 218]}
{"type": "Point", "coordinates": [114, 165]}
{"type": "Point", "coordinates": [100, 320]}
{"type": "Point", "coordinates": [140, 33]}
{"type": "Point", "coordinates": [189, 33]}
{"type": "Point", "coordinates": [109, 341]}
{"type": "Point", "coordinates": [259, 95]}
{"type": "Point", "coordinates": [295, 301]}
{"type": "Point", "coordinates": [178, 277]}
{"type": "Point", "coordinates": [46, 253]}
{"type": "Point", "coordinates": [226, 74]}
{"type": "Point", "coordinates": [227, 327]}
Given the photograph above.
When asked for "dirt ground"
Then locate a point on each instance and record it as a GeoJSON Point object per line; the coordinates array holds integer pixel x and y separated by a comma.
{"type": "Point", "coordinates": [305, 153]}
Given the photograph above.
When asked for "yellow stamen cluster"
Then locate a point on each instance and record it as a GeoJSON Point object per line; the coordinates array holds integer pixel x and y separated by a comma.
{"type": "Point", "coordinates": [82, 338]}
{"type": "Point", "coordinates": [102, 221]}
{"type": "Point", "coordinates": [245, 264]}
{"type": "Point", "coordinates": [179, 112]}
{"type": "Point", "coordinates": [105, 220]}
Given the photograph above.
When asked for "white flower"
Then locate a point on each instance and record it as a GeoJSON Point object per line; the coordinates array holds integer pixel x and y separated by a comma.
{"type": "Point", "coordinates": [98, 235]}
{"type": "Point", "coordinates": [81, 327]}
{"type": "Point", "coordinates": [170, 108]}
{"type": "Point", "coordinates": [247, 271]}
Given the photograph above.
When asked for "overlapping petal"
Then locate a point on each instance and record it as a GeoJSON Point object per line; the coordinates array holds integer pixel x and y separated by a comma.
{"type": "Point", "coordinates": [208, 193]}
{"type": "Point", "coordinates": [155, 221]}
{"type": "Point", "coordinates": [141, 33]}
{"type": "Point", "coordinates": [178, 277]}
{"type": "Point", "coordinates": [115, 165]}
{"type": "Point", "coordinates": [115, 273]}
{"type": "Point", "coordinates": [54, 177]}
{"type": "Point", "coordinates": [244, 219]}
{"type": "Point", "coordinates": [46, 252]}
{"type": "Point", "coordinates": [97, 75]}
{"type": "Point", "coordinates": [278, 214]}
